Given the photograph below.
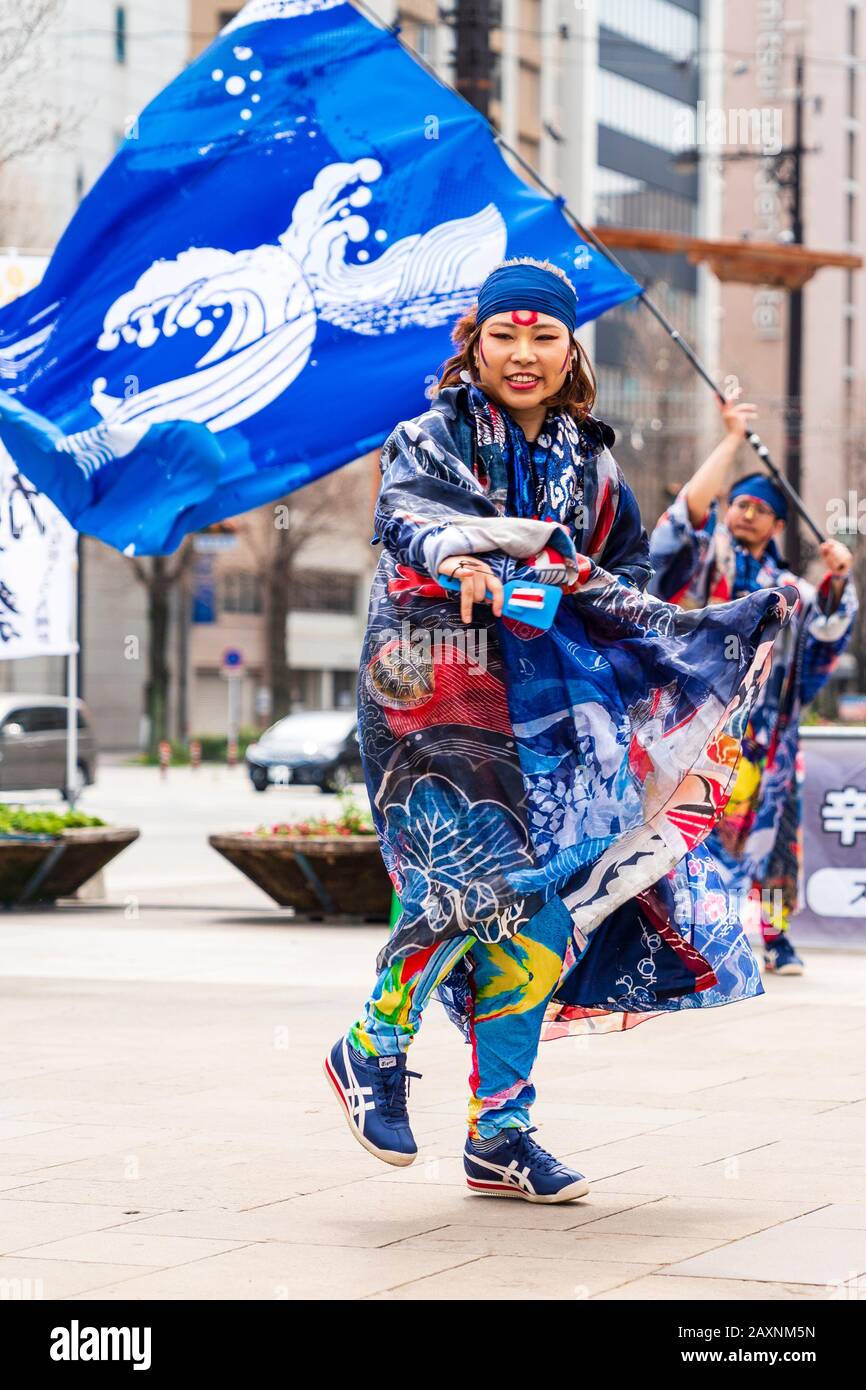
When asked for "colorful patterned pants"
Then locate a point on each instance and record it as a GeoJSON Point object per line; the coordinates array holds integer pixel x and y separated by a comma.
{"type": "Point", "coordinates": [739, 814]}
{"type": "Point", "coordinates": [511, 984]}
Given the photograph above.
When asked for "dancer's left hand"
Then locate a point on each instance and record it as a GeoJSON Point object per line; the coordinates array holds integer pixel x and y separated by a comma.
{"type": "Point", "coordinates": [837, 557]}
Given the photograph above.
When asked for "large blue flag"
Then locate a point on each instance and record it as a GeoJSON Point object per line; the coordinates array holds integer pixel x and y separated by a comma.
{"type": "Point", "coordinates": [263, 281]}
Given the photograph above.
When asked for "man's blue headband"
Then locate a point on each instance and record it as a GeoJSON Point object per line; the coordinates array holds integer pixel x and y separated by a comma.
{"type": "Point", "coordinates": [759, 485]}
{"type": "Point", "coordinates": [527, 287]}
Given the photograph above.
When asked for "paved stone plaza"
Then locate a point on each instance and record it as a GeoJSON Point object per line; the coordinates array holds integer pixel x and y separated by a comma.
{"type": "Point", "coordinates": [166, 1130]}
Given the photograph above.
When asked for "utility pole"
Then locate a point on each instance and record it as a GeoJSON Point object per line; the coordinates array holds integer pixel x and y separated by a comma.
{"type": "Point", "coordinates": [794, 382]}
{"type": "Point", "coordinates": [786, 171]}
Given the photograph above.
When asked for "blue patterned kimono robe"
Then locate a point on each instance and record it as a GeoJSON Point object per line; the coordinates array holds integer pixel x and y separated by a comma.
{"type": "Point", "coordinates": [578, 769]}
{"type": "Point", "coordinates": [761, 844]}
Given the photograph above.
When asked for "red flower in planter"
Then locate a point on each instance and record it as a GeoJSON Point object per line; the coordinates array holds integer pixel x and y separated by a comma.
{"type": "Point", "coordinates": [353, 821]}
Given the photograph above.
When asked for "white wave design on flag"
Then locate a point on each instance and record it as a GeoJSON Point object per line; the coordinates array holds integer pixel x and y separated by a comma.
{"type": "Point", "coordinates": [16, 359]}
{"type": "Point", "coordinates": [423, 279]}
{"type": "Point", "coordinates": [261, 308]}
{"type": "Point", "coordinates": [258, 11]}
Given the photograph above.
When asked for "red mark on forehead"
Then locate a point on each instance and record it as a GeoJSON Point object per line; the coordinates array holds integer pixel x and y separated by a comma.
{"type": "Point", "coordinates": [524, 316]}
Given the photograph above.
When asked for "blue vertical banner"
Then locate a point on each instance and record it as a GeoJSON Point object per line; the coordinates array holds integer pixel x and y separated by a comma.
{"type": "Point", "coordinates": [263, 281]}
{"type": "Point", "coordinates": [204, 608]}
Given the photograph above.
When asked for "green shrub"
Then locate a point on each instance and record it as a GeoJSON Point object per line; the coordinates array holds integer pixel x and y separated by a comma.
{"type": "Point", "coordinates": [214, 749]}
{"type": "Point", "coordinates": [17, 819]}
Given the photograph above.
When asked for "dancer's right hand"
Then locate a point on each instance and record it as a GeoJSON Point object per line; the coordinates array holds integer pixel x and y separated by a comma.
{"type": "Point", "coordinates": [737, 415]}
{"type": "Point", "coordinates": [476, 578]}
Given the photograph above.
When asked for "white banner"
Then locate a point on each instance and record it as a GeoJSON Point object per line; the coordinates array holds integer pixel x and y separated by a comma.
{"type": "Point", "coordinates": [37, 544]}
{"type": "Point", "coordinates": [37, 551]}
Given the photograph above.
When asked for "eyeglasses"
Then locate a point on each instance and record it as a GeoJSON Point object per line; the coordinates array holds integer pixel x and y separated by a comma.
{"type": "Point", "coordinates": [741, 503]}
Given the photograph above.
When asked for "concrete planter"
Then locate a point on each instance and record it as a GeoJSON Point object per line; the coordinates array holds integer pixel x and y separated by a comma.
{"type": "Point", "coordinates": [43, 868]}
{"type": "Point", "coordinates": [319, 877]}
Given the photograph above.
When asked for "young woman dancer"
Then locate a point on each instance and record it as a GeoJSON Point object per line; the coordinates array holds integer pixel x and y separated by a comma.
{"type": "Point", "coordinates": [541, 796]}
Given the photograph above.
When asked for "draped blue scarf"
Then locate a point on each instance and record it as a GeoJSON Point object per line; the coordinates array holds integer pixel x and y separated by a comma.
{"type": "Point", "coordinates": [543, 478]}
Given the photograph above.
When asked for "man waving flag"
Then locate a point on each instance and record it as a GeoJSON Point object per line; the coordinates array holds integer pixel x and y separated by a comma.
{"type": "Point", "coordinates": [255, 288]}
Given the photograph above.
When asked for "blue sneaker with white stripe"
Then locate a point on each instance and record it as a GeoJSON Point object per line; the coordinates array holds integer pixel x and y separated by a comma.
{"type": "Point", "coordinates": [513, 1165]}
{"type": "Point", "coordinates": [372, 1094]}
{"type": "Point", "coordinates": [780, 957]}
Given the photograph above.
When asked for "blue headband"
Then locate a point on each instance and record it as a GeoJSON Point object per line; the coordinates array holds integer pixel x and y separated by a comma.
{"type": "Point", "coordinates": [759, 485]}
{"type": "Point", "coordinates": [527, 287]}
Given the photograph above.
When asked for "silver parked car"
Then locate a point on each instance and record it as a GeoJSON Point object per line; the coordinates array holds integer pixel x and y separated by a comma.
{"type": "Point", "coordinates": [33, 744]}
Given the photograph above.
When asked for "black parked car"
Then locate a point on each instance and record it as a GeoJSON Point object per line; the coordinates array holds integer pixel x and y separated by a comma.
{"type": "Point", "coordinates": [317, 748]}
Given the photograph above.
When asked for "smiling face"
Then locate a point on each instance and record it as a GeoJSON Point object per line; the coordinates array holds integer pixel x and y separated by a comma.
{"type": "Point", "coordinates": [523, 357]}
{"type": "Point", "coordinates": [752, 522]}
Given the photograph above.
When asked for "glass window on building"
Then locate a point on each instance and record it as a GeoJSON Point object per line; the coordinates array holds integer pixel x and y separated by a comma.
{"type": "Point", "coordinates": [496, 77]}
{"type": "Point", "coordinates": [680, 306]}
{"type": "Point", "coordinates": [530, 150]}
{"type": "Point", "coordinates": [657, 24]}
{"type": "Point", "coordinates": [323, 591]}
{"type": "Point", "coordinates": [410, 32]}
{"type": "Point", "coordinates": [120, 33]}
{"type": "Point", "coordinates": [423, 42]}
{"type": "Point", "coordinates": [625, 397]}
{"type": "Point", "coordinates": [345, 689]}
{"type": "Point", "coordinates": [644, 114]}
{"type": "Point", "coordinates": [623, 201]}
{"type": "Point", "coordinates": [621, 392]}
{"type": "Point", "coordinates": [306, 690]}
{"type": "Point", "coordinates": [528, 91]}
{"type": "Point", "coordinates": [241, 593]}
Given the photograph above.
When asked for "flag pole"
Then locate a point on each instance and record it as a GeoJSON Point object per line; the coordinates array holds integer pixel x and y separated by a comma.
{"type": "Point", "coordinates": [72, 687]}
{"type": "Point", "coordinates": [587, 235]}
{"type": "Point", "coordinates": [752, 438]}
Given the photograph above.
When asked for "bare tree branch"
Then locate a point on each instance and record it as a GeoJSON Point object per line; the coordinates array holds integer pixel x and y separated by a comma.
{"type": "Point", "coordinates": [28, 119]}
